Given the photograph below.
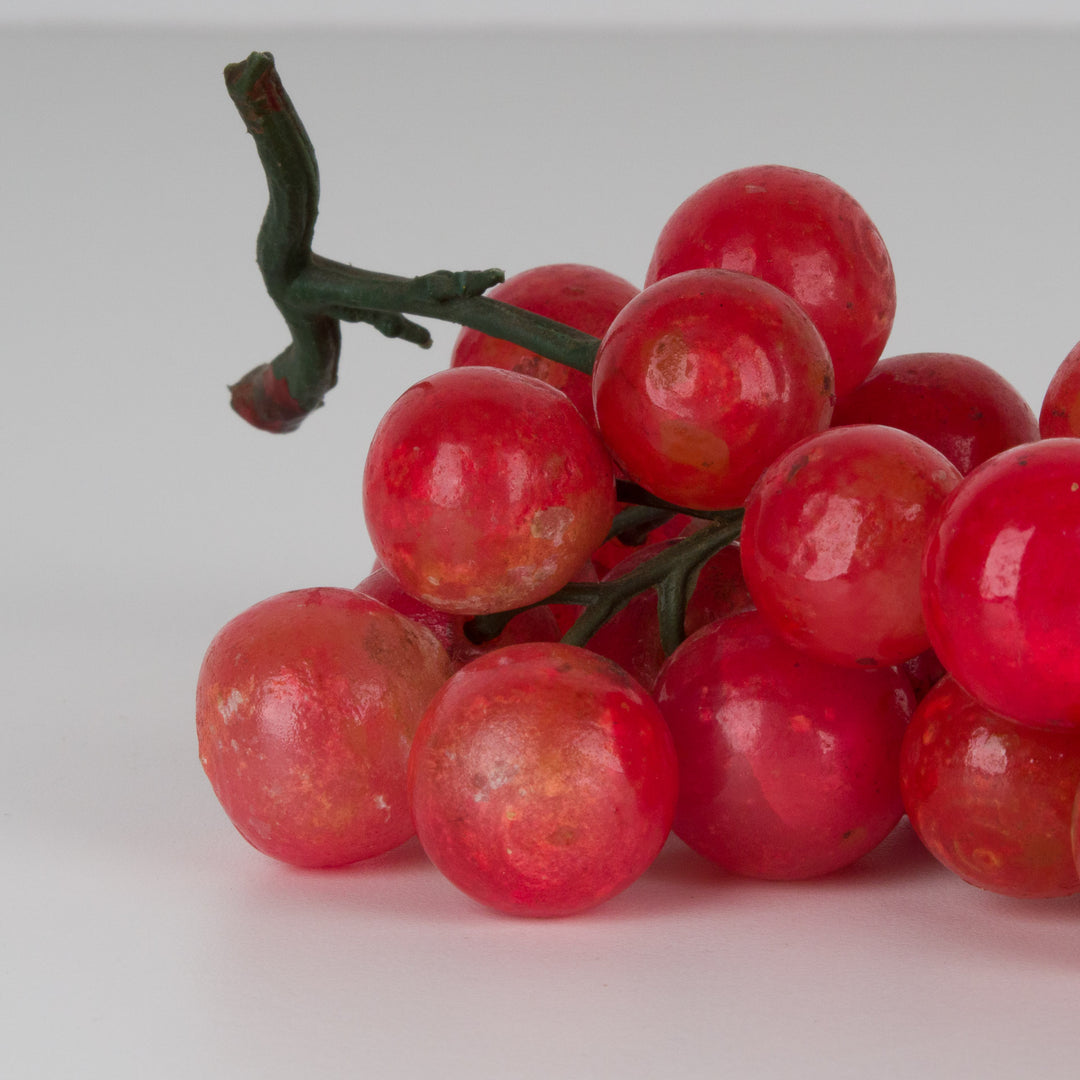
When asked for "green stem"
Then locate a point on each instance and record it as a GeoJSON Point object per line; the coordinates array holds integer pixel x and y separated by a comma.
{"type": "Point", "coordinates": [629, 492]}
{"type": "Point", "coordinates": [278, 395]}
{"type": "Point", "coordinates": [314, 294]}
{"type": "Point", "coordinates": [633, 524]}
{"type": "Point", "coordinates": [671, 572]}
{"type": "Point", "coordinates": [453, 297]}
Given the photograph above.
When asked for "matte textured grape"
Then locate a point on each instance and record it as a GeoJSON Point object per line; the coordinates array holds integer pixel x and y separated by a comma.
{"type": "Point", "coordinates": [305, 710]}
{"type": "Point", "coordinates": [543, 780]}
{"type": "Point", "coordinates": [990, 798]}
{"type": "Point", "coordinates": [485, 490]}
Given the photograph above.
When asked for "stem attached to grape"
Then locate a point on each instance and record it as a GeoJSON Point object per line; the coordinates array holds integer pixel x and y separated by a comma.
{"type": "Point", "coordinates": [628, 492]}
{"type": "Point", "coordinates": [671, 572]}
{"type": "Point", "coordinates": [315, 294]}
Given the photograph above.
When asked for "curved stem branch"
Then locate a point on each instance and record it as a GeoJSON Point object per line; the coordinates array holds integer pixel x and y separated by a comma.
{"type": "Point", "coordinates": [629, 492]}
{"type": "Point", "coordinates": [633, 524]}
{"type": "Point", "coordinates": [671, 572]}
{"type": "Point", "coordinates": [444, 294]}
{"type": "Point", "coordinates": [314, 294]}
{"type": "Point", "coordinates": [278, 395]}
{"type": "Point", "coordinates": [668, 571]}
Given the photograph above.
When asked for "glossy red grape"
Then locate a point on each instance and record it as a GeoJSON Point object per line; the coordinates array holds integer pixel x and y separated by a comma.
{"type": "Point", "coordinates": [833, 538]}
{"type": "Point", "coordinates": [802, 233]}
{"type": "Point", "coordinates": [788, 768]}
{"type": "Point", "coordinates": [958, 405]}
{"type": "Point", "coordinates": [305, 710]}
{"type": "Point", "coordinates": [990, 798]}
{"type": "Point", "coordinates": [1001, 592]}
{"type": "Point", "coordinates": [1060, 413]}
{"type": "Point", "coordinates": [485, 490]}
{"type": "Point", "coordinates": [702, 379]}
{"type": "Point", "coordinates": [533, 624]}
{"type": "Point", "coordinates": [584, 297]}
{"type": "Point", "coordinates": [543, 780]}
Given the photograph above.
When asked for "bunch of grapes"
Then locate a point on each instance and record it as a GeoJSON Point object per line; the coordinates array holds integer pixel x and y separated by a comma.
{"type": "Point", "coordinates": [747, 581]}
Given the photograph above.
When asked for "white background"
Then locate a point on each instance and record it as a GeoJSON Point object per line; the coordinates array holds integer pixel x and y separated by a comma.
{"type": "Point", "coordinates": [139, 935]}
{"type": "Point", "coordinates": [808, 14]}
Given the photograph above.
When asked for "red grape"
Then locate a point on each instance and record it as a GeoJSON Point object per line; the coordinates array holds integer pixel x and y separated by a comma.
{"type": "Point", "coordinates": [833, 538]}
{"type": "Point", "coordinates": [788, 768]}
{"type": "Point", "coordinates": [1001, 592]}
{"type": "Point", "coordinates": [702, 379]}
{"type": "Point", "coordinates": [584, 297]}
{"type": "Point", "coordinates": [803, 234]}
{"type": "Point", "coordinates": [990, 798]}
{"type": "Point", "coordinates": [542, 780]}
{"type": "Point", "coordinates": [305, 709]}
{"type": "Point", "coordinates": [956, 404]}
{"type": "Point", "coordinates": [1060, 412]}
{"type": "Point", "coordinates": [485, 490]}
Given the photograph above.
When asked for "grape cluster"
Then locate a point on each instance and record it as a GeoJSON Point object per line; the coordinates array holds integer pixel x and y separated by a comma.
{"type": "Point", "coordinates": [894, 629]}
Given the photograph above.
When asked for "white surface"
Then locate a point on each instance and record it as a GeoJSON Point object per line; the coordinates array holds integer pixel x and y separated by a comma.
{"type": "Point", "coordinates": [139, 935]}
{"type": "Point", "coordinates": [555, 13]}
